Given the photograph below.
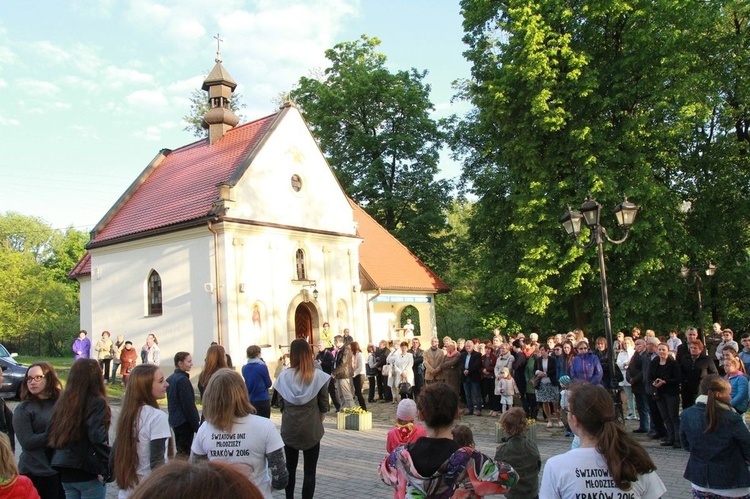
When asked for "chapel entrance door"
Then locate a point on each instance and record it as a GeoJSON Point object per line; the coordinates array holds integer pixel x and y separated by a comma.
{"type": "Point", "coordinates": [303, 322]}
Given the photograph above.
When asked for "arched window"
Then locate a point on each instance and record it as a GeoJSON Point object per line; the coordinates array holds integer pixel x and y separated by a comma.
{"type": "Point", "coordinates": [154, 293]}
{"type": "Point", "coordinates": [300, 259]}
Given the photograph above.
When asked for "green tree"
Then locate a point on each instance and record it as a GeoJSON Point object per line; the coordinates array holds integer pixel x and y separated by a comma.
{"type": "Point", "coordinates": [199, 107]}
{"type": "Point", "coordinates": [38, 303]}
{"type": "Point", "coordinates": [375, 129]}
{"type": "Point", "coordinates": [573, 97]}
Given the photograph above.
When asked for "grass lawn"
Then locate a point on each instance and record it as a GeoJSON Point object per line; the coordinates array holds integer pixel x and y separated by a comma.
{"type": "Point", "coordinates": [62, 367]}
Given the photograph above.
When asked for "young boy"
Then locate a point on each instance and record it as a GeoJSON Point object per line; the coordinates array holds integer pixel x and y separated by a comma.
{"type": "Point", "coordinates": [673, 342]}
{"type": "Point", "coordinates": [405, 430]}
{"type": "Point", "coordinates": [521, 453]}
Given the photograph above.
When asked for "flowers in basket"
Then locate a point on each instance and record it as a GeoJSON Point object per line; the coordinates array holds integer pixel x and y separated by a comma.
{"type": "Point", "coordinates": [530, 422]}
{"type": "Point", "coordinates": [354, 410]}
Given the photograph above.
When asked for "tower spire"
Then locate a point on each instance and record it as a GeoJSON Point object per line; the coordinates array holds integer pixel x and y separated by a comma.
{"type": "Point", "coordinates": [218, 48]}
{"type": "Point", "coordinates": [219, 118]}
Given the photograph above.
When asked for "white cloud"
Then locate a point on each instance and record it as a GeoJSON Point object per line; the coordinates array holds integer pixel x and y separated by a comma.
{"type": "Point", "coordinates": [154, 133]}
{"type": "Point", "coordinates": [185, 29]}
{"type": "Point", "coordinates": [85, 85]}
{"type": "Point", "coordinates": [147, 99]}
{"type": "Point", "coordinates": [7, 56]}
{"type": "Point", "coordinates": [8, 121]}
{"type": "Point", "coordinates": [3, 83]}
{"type": "Point", "coordinates": [86, 132]}
{"type": "Point", "coordinates": [62, 105]}
{"type": "Point", "coordinates": [50, 51]}
{"type": "Point", "coordinates": [85, 59]}
{"type": "Point", "coordinates": [184, 87]}
{"type": "Point", "coordinates": [38, 88]}
{"type": "Point", "coordinates": [117, 77]}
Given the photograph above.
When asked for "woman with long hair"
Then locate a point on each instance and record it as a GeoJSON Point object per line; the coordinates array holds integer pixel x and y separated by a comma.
{"type": "Point", "coordinates": [233, 433]}
{"type": "Point", "coordinates": [358, 363]}
{"type": "Point", "coordinates": [79, 433]}
{"type": "Point", "coordinates": [718, 442]}
{"type": "Point", "coordinates": [609, 459]}
{"type": "Point", "coordinates": [216, 358]}
{"type": "Point", "coordinates": [438, 466]}
{"type": "Point", "coordinates": [39, 391]}
{"type": "Point", "coordinates": [738, 381]}
{"type": "Point", "coordinates": [304, 403]}
{"type": "Point", "coordinates": [142, 428]}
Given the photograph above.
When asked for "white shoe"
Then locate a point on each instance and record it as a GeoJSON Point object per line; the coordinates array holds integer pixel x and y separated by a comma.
{"type": "Point", "coordinates": [560, 424]}
{"type": "Point", "coordinates": [549, 424]}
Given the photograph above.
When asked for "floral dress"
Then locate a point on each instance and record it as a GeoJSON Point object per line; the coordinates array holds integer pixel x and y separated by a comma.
{"type": "Point", "coordinates": [467, 473]}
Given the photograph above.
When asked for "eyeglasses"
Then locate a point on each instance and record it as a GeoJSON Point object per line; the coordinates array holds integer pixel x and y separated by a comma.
{"type": "Point", "coordinates": [29, 379]}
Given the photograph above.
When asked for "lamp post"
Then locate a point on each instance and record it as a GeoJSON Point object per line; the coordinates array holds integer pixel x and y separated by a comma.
{"type": "Point", "coordinates": [625, 213]}
{"type": "Point", "coordinates": [692, 275]}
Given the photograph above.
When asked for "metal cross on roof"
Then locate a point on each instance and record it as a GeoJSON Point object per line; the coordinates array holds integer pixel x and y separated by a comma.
{"type": "Point", "coordinates": [218, 47]}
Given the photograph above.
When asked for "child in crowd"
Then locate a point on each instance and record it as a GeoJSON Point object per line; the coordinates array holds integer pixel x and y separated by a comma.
{"type": "Point", "coordinates": [11, 483]}
{"type": "Point", "coordinates": [564, 383]}
{"type": "Point", "coordinates": [521, 453]}
{"type": "Point", "coordinates": [507, 389]}
{"type": "Point", "coordinates": [405, 431]}
{"type": "Point", "coordinates": [463, 436]}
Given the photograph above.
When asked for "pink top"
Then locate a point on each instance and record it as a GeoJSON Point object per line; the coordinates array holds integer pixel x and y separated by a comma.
{"type": "Point", "coordinates": [403, 434]}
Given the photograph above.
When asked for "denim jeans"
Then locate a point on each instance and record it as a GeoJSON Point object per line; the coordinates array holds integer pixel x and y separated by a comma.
{"type": "Point", "coordinates": [641, 404]}
{"type": "Point", "coordinates": [93, 489]}
{"type": "Point", "coordinates": [473, 393]}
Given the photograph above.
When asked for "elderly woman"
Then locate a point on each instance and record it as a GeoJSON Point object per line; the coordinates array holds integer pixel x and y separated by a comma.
{"type": "Point", "coordinates": [449, 369]}
{"type": "Point", "coordinates": [627, 349]}
{"type": "Point", "coordinates": [586, 365]}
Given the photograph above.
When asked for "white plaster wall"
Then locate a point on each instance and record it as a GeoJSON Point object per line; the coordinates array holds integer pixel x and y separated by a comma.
{"type": "Point", "coordinates": [84, 300]}
{"type": "Point", "coordinates": [261, 261]}
{"type": "Point", "coordinates": [119, 276]}
{"type": "Point", "coordinates": [386, 316]}
{"type": "Point", "coordinates": [265, 192]}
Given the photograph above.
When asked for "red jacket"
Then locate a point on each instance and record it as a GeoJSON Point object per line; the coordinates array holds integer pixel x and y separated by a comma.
{"type": "Point", "coordinates": [18, 488]}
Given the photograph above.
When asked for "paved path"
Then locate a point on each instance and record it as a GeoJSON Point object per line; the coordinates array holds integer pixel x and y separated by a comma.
{"type": "Point", "coordinates": [347, 467]}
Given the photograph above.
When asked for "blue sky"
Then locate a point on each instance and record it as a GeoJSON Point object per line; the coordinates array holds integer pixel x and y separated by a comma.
{"type": "Point", "coordinates": [92, 90]}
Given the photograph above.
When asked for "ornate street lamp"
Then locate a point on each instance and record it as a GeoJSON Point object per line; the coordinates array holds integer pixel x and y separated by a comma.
{"type": "Point", "coordinates": [692, 275]}
{"type": "Point", "coordinates": [625, 212]}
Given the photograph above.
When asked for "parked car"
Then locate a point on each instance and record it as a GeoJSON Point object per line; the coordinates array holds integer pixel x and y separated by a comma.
{"type": "Point", "coordinates": [13, 374]}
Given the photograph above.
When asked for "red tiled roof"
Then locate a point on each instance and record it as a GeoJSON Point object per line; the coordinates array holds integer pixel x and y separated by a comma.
{"type": "Point", "coordinates": [83, 267]}
{"type": "Point", "coordinates": [183, 186]}
{"type": "Point", "coordinates": [387, 264]}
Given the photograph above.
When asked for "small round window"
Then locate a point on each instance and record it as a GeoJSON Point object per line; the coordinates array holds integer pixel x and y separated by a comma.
{"type": "Point", "coordinates": [296, 182]}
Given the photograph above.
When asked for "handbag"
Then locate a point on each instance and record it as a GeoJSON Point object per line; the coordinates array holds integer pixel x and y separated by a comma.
{"type": "Point", "coordinates": [386, 369]}
{"type": "Point", "coordinates": [404, 388]}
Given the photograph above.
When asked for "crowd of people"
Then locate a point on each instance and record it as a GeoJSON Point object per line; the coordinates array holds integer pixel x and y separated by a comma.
{"type": "Point", "coordinates": [690, 392]}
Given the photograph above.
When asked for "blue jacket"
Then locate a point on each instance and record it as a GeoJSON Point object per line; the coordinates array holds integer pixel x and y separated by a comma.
{"type": "Point", "coordinates": [586, 367]}
{"type": "Point", "coordinates": [181, 400]}
{"type": "Point", "coordinates": [257, 380]}
{"type": "Point", "coordinates": [718, 459]}
{"type": "Point", "coordinates": [739, 392]}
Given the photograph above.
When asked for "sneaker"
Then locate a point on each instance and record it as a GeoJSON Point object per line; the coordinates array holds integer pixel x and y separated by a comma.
{"type": "Point", "coordinates": [629, 417]}
{"type": "Point", "coordinates": [568, 434]}
{"type": "Point", "coordinates": [667, 443]}
{"type": "Point", "coordinates": [560, 424]}
{"type": "Point", "coordinates": [677, 445]}
{"type": "Point", "coordinates": [549, 424]}
{"type": "Point", "coordinates": [640, 430]}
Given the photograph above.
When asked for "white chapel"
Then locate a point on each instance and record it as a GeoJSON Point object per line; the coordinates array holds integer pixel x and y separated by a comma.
{"type": "Point", "coordinates": [246, 237]}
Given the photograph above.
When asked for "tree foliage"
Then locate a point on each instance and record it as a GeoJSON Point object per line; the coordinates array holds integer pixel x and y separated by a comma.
{"type": "Point", "coordinates": [38, 303]}
{"type": "Point", "coordinates": [374, 127]}
{"type": "Point", "coordinates": [199, 106]}
{"type": "Point", "coordinates": [637, 97]}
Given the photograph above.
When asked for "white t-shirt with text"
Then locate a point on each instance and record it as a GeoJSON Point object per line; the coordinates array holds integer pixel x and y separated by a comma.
{"type": "Point", "coordinates": [250, 440]}
{"type": "Point", "coordinates": [583, 473]}
{"type": "Point", "coordinates": [153, 424]}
